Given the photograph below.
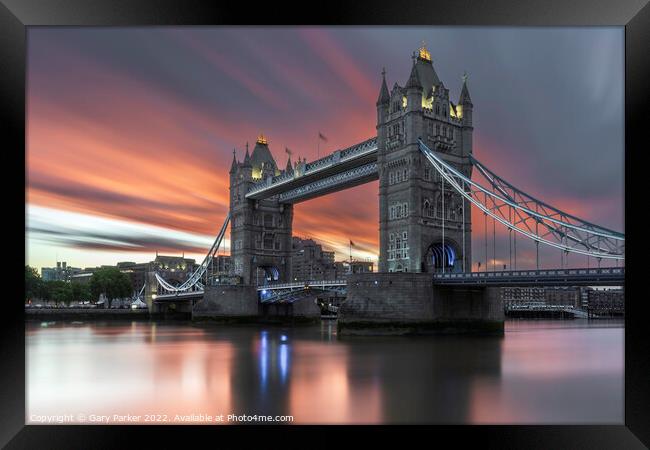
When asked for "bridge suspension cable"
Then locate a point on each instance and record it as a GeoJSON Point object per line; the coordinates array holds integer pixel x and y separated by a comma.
{"type": "Point", "coordinates": [528, 216]}
{"type": "Point", "coordinates": [193, 280]}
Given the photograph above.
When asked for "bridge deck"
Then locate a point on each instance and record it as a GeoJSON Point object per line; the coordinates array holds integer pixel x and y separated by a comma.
{"type": "Point", "coordinates": [544, 277]}
{"type": "Point", "coordinates": [609, 276]}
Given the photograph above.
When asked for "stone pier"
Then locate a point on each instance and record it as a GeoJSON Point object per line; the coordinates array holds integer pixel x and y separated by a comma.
{"type": "Point", "coordinates": [236, 303]}
{"type": "Point", "coordinates": [240, 304]}
{"type": "Point", "coordinates": [409, 303]}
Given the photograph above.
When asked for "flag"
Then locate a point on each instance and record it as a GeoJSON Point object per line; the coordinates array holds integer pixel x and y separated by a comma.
{"type": "Point", "coordinates": [286, 149]}
{"type": "Point", "coordinates": [351, 243]}
{"type": "Point", "coordinates": [320, 136]}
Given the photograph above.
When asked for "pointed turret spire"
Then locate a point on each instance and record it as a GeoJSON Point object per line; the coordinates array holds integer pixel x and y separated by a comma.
{"type": "Point", "coordinates": [247, 157]}
{"type": "Point", "coordinates": [233, 166]}
{"type": "Point", "coordinates": [414, 81]}
{"type": "Point", "coordinates": [384, 96]}
{"type": "Point", "coordinates": [465, 99]}
{"type": "Point", "coordinates": [289, 165]}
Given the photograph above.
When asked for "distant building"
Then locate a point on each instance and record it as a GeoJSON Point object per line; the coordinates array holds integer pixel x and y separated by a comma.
{"type": "Point", "coordinates": [62, 272]}
{"type": "Point", "coordinates": [174, 263]}
{"type": "Point", "coordinates": [605, 301]}
{"type": "Point", "coordinates": [174, 269]}
{"type": "Point", "coordinates": [563, 296]}
{"type": "Point", "coordinates": [83, 278]}
{"type": "Point", "coordinates": [520, 297]}
{"type": "Point", "coordinates": [137, 272]}
{"type": "Point", "coordinates": [310, 262]}
{"type": "Point", "coordinates": [532, 297]}
{"type": "Point", "coordinates": [344, 267]}
{"type": "Point", "coordinates": [362, 266]}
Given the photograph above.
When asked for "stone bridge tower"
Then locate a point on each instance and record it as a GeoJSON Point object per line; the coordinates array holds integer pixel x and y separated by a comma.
{"type": "Point", "coordinates": [260, 230]}
{"type": "Point", "coordinates": [410, 190]}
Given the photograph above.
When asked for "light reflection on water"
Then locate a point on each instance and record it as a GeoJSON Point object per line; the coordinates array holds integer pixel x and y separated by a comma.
{"type": "Point", "coordinates": [540, 372]}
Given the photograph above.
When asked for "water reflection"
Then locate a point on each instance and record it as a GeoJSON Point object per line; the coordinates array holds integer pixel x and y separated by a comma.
{"type": "Point", "coordinates": [541, 372]}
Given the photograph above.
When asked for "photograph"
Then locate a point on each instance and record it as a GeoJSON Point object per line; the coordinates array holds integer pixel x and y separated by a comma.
{"type": "Point", "coordinates": [250, 224]}
{"type": "Point", "coordinates": [320, 225]}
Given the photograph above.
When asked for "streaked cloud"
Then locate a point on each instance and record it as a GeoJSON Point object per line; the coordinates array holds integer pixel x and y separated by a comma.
{"type": "Point", "coordinates": [137, 126]}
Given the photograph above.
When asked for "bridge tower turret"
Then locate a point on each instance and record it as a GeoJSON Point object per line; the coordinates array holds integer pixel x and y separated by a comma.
{"type": "Point", "coordinates": [260, 230]}
{"type": "Point", "coordinates": [465, 111]}
{"type": "Point", "coordinates": [410, 192]}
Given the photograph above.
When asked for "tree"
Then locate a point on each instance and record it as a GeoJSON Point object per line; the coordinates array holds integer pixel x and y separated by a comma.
{"type": "Point", "coordinates": [80, 291]}
{"type": "Point", "coordinates": [33, 283]}
{"type": "Point", "coordinates": [110, 282]}
{"type": "Point", "coordinates": [60, 291]}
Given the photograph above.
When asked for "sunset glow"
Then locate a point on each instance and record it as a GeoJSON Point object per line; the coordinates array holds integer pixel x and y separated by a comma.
{"type": "Point", "coordinates": [130, 131]}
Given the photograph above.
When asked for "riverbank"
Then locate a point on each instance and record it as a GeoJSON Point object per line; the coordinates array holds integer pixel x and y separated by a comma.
{"type": "Point", "coordinates": [85, 313]}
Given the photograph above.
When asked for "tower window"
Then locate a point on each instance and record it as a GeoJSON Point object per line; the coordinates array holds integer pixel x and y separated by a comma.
{"type": "Point", "coordinates": [268, 220]}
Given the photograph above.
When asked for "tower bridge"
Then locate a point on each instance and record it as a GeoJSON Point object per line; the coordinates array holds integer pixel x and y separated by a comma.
{"type": "Point", "coordinates": [429, 180]}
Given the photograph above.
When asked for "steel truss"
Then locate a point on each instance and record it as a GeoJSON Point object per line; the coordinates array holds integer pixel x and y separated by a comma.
{"type": "Point", "coordinates": [330, 183]}
{"type": "Point", "coordinates": [193, 282]}
{"type": "Point", "coordinates": [528, 216]}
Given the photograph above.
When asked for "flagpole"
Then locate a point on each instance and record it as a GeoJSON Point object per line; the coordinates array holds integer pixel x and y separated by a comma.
{"type": "Point", "coordinates": [318, 147]}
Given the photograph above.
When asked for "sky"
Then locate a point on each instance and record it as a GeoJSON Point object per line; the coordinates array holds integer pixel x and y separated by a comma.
{"type": "Point", "coordinates": [130, 131]}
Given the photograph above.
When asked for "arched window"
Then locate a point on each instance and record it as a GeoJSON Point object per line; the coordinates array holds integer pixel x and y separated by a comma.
{"type": "Point", "coordinates": [268, 220]}
{"type": "Point", "coordinates": [439, 206]}
{"type": "Point", "coordinates": [425, 208]}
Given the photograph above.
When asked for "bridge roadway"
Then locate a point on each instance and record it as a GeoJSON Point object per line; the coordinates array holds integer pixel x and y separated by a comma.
{"type": "Point", "coordinates": [608, 276]}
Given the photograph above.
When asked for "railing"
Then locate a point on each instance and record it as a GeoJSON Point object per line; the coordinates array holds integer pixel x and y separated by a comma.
{"type": "Point", "coordinates": [178, 295]}
{"type": "Point", "coordinates": [528, 273]}
{"type": "Point", "coordinates": [613, 275]}
{"type": "Point", "coordinates": [302, 284]}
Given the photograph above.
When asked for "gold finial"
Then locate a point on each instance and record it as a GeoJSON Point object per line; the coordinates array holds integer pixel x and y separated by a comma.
{"type": "Point", "coordinates": [261, 139]}
{"type": "Point", "coordinates": [424, 53]}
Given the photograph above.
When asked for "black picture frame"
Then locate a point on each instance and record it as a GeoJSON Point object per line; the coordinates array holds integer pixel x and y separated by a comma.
{"type": "Point", "coordinates": [634, 15]}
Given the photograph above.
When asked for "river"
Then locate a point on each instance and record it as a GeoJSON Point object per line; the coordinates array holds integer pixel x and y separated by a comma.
{"type": "Point", "coordinates": [540, 372]}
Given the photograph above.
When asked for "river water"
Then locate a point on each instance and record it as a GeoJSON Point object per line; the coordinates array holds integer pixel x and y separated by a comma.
{"type": "Point", "coordinates": [540, 372]}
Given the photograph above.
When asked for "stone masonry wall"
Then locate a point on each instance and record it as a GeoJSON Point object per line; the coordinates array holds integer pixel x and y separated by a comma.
{"type": "Point", "coordinates": [379, 303]}
{"type": "Point", "coordinates": [227, 302]}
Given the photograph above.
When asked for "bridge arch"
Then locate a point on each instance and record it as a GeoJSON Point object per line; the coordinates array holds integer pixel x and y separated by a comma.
{"type": "Point", "coordinates": [439, 256]}
{"type": "Point", "coordinates": [266, 273]}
